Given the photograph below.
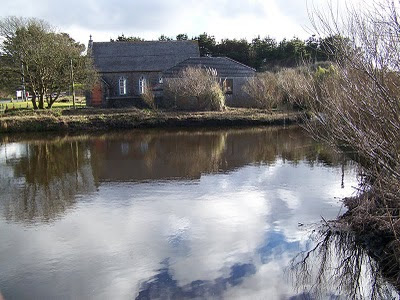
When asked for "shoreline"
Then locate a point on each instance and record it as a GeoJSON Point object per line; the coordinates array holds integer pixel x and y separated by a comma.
{"type": "Point", "coordinates": [380, 242]}
{"type": "Point", "coordinates": [103, 119]}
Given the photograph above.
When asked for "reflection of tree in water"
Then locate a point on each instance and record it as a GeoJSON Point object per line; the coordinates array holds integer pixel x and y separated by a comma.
{"type": "Point", "coordinates": [54, 171]}
{"type": "Point", "coordinates": [47, 180]}
{"type": "Point", "coordinates": [339, 264]}
{"type": "Point", "coordinates": [148, 155]}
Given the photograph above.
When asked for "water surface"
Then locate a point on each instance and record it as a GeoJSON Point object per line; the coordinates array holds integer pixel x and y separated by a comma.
{"type": "Point", "coordinates": [163, 214]}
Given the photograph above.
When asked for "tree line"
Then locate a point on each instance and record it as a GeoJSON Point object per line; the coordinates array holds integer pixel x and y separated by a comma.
{"type": "Point", "coordinates": [261, 53]}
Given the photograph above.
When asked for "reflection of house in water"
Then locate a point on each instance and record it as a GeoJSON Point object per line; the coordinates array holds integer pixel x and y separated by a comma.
{"type": "Point", "coordinates": [155, 155]}
{"type": "Point", "coordinates": [145, 156]}
{"type": "Point", "coordinates": [42, 179]}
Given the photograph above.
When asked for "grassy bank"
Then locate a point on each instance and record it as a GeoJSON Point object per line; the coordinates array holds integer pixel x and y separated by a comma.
{"type": "Point", "coordinates": [15, 105]}
{"type": "Point", "coordinates": [103, 119]}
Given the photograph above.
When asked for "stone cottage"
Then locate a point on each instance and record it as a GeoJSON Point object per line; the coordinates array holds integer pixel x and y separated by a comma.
{"type": "Point", "coordinates": [232, 74]}
{"type": "Point", "coordinates": [126, 69]}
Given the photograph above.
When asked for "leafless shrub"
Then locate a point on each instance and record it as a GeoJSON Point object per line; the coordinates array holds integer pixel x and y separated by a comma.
{"type": "Point", "coordinates": [264, 90]}
{"type": "Point", "coordinates": [196, 88]}
{"type": "Point", "coordinates": [294, 83]}
{"type": "Point", "coordinates": [287, 86]}
{"type": "Point", "coordinates": [148, 97]}
{"type": "Point", "coordinates": [359, 111]}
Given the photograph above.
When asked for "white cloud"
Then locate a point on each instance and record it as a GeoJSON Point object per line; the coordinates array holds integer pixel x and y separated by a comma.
{"type": "Point", "coordinates": [149, 19]}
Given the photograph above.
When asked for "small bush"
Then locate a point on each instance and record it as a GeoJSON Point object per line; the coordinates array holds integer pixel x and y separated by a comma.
{"type": "Point", "coordinates": [289, 86]}
{"type": "Point", "coordinates": [195, 88]}
{"type": "Point", "coordinates": [294, 84]}
{"type": "Point", "coordinates": [214, 99]}
{"type": "Point", "coordinates": [148, 98]}
{"type": "Point", "coordinates": [264, 90]}
{"type": "Point", "coordinates": [323, 73]}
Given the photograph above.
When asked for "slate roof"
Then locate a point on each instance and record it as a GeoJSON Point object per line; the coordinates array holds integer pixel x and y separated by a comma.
{"type": "Point", "coordinates": [141, 56]}
{"type": "Point", "coordinates": [225, 66]}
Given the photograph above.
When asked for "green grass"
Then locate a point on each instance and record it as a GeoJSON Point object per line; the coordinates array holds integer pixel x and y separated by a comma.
{"type": "Point", "coordinates": [27, 105]}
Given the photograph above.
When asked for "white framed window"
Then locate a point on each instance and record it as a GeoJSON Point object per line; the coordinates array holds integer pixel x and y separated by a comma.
{"type": "Point", "coordinates": [122, 86]}
{"type": "Point", "coordinates": [142, 85]}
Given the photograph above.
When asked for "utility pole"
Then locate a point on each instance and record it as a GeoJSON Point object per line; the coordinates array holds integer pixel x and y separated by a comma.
{"type": "Point", "coordinates": [23, 83]}
{"type": "Point", "coordinates": [72, 85]}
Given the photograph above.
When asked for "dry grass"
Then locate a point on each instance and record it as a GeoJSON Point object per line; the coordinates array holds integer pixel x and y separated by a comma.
{"type": "Point", "coordinates": [286, 87]}
{"type": "Point", "coordinates": [105, 119]}
{"type": "Point", "coordinates": [264, 90]}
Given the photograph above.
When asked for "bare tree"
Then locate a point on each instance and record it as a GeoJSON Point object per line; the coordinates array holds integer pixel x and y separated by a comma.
{"type": "Point", "coordinates": [358, 111]}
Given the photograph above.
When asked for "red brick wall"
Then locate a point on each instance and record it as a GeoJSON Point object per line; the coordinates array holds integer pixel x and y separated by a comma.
{"type": "Point", "coordinates": [97, 95]}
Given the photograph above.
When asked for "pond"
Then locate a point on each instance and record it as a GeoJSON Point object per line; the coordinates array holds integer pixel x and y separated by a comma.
{"type": "Point", "coordinates": [164, 214]}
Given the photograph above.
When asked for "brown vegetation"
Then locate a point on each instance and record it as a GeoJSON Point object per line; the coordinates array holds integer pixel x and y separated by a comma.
{"type": "Point", "coordinates": [148, 97]}
{"type": "Point", "coordinates": [195, 89]}
{"type": "Point", "coordinates": [286, 87]}
{"type": "Point", "coordinates": [264, 90]}
{"type": "Point", "coordinates": [339, 264]}
{"type": "Point", "coordinates": [358, 111]}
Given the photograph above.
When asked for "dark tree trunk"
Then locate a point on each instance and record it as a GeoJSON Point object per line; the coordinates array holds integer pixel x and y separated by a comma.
{"type": "Point", "coordinates": [41, 101]}
{"type": "Point", "coordinates": [34, 101]}
{"type": "Point", "coordinates": [52, 100]}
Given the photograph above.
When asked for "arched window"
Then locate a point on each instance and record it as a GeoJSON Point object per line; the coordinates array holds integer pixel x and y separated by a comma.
{"type": "Point", "coordinates": [142, 85]}
{"type": "Point", "coordinates": [122, 86]}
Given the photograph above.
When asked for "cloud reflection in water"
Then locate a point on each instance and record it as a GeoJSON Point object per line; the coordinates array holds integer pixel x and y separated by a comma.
{"type": "Point", "coordinates": [223, 234]}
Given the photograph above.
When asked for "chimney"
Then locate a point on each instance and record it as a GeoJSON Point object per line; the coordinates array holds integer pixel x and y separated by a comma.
{"type": "Point", "coordinates": [90, 44]}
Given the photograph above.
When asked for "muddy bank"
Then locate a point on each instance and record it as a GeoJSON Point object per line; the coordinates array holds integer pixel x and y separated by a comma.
{"type": "Point", "coordinates": [99, 119]}
{"type": "Point", "coordinates": [375, 228]}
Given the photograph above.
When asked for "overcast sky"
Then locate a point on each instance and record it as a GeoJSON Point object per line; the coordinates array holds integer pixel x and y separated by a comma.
{"type": "Point", "coordinates": [106, 19]}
